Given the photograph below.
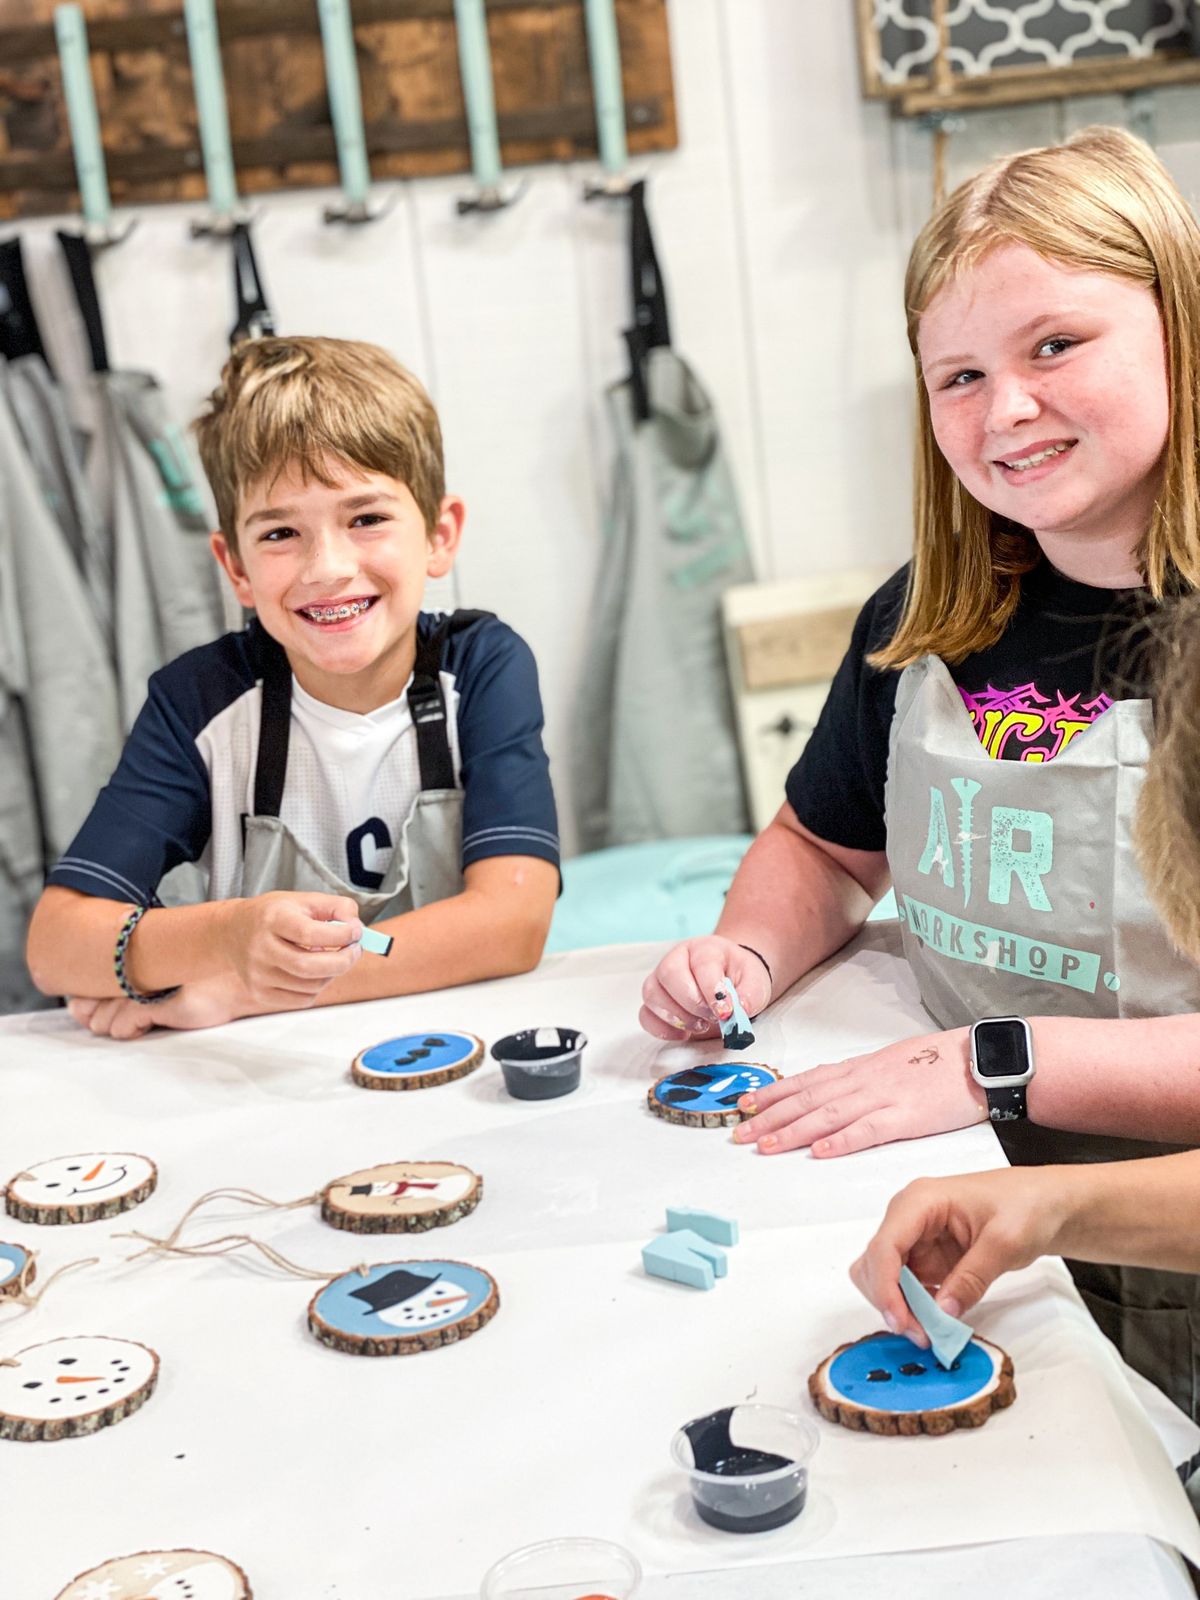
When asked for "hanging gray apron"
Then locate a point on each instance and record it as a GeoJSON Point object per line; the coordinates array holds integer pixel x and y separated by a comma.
{"type": "Point", "coordinates": [426, 861]}
{"type": "Point", "coordinates": [56, 451]}
{"type": "Point", "coordinates": [1019, 894]}
{"type": "Point", "coordinates": [655, 754]}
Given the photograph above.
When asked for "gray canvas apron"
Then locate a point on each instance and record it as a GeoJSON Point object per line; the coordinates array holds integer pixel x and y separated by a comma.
{"type": "Point", "coordinates": [426, 862]}
{"type": "Point", "coordinates": [654, 754]}
{"type": "Point", "coordinates": [1019, 894]}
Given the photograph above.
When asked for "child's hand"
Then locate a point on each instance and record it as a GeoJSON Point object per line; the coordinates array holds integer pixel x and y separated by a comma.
{"type": "Point", "coordinates": [206, 1004]}
{"type": "Point", "coordinates": [905, 1091]}
{"type": "Point", "coordinates": [285, 947]}
{"type": "Point", "coordinates": [678, 997]}
{"type": "Point", "coordinates": [961, 1233]}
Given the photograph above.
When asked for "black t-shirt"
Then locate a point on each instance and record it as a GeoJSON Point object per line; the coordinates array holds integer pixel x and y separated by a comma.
{"type": "Point", "coordinates": [1069, 651]}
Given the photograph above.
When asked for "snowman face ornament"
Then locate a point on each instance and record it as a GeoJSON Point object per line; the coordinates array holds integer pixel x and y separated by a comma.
{"type": "Point", "coordinates": [403, 1196]}
{"type": "Point", "coordinates": [400, 1307]}
{"type": "Point", "coordinates": [82, 1188]}
{"type": "Point", "coordinates": [161, 1575]}
{"type": "Point", "coordinates": [69, 1387]}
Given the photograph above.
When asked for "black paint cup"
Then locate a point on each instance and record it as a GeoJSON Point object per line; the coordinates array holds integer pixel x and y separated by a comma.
{"type": "Point", "coordinates": [540, 1063]}
{"type": "Point", "coordinates": [747, 1466]}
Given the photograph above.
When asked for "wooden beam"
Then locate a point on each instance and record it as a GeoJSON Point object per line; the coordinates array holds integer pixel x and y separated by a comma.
{"type": "Point", "coordinates": [1013, 86]}
{"type": "Point", "coordinates": [236, 19]}
{"type": "Point", "coordinates": [55, 171]}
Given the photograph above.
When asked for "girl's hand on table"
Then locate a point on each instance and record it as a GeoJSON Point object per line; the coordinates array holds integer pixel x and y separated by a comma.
{"type": "Point", "coordinates": [904, 1091]}
{"type": "Point", "coordinates": [961, 1233]}
{"type": "Point", "coordinates": [678, 996]}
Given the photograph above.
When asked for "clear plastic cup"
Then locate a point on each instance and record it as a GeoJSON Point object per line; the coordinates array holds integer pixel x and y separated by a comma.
{"type": "Point", "coordinates": [541, 1063]}
{"type": "Point", "coordinates": [564, 1569]}
{"type": "Point", "coordinates": [747, 1466]}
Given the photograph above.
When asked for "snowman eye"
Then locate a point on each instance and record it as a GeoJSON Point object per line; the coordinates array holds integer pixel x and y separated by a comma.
{"type": "Point", "coordinates": [73, 1169]}
{"type": "Point", "coordinates": [37, 1384]}
{"type": "Point", "coordinates": [54, 1185]}
{"type": "Point", "coordinates": [67, 1361]}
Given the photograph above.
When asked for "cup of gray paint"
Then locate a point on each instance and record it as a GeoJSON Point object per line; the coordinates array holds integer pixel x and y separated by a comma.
{"type": "Point", "coordinates": [540, 1063]}
{"type": "Point", "coordinates": [747, 1466]}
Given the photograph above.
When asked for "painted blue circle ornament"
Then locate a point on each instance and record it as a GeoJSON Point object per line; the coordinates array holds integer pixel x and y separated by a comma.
{"type": "Point", "coordinates": [398, 1308]}
{"type": "Point", "coordinates": [417, 1060]}
{"type": "Point", "coordinates": [886, 1384]}
{"type": "Point", "coordinates": [707, 1096]}
{"type": "Point", "coordinates": [16, 1268]}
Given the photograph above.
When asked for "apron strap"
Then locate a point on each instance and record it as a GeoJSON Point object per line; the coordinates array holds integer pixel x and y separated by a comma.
{"type": "Point", "coordinates": [19, 331]}
{"type": "Point", "coordinates": [651, 325]}
{"type": "Point", "coordinates": [274, 727]}
{"type": "Point", "coordinates": [427, 703]}
{"type": "Point", "coordinates": [79, 261]}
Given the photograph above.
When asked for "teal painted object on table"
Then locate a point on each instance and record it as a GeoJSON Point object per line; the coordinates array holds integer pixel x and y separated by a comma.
{"type": "Point", "coordinates": [717, 1230]}
{"type": "Point", "coordinates": [660, 889]}
{"type": "Point", "coordinates": [684, 1257]}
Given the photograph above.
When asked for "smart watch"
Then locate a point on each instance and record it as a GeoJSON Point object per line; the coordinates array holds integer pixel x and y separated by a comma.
{"type": "Point", "coordinates": [1002, 1063]}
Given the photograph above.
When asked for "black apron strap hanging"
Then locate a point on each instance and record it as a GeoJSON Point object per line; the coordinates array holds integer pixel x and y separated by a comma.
{"type": "Point", "coordinates": [254, 318]}
{"type": "Point", "coordinates": [19, 331]}
{"type": "Point", "coordinates": [79, 262]}
{"type": "Point", "coordinates": [427, 702]}
{"type": "Point", "coordinates": [274, 728]}
{"type": "Point", "coordinates": [651, 324]}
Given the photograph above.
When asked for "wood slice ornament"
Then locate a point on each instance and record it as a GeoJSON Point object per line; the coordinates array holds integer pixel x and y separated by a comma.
{"type": "Point", "coordinates": [885, 1384]}
{"type": "Point", "coordinates": [401, 1197]}
{"type": "Point", "coordinates": [161, 1575]}
{"type": "Point", "coordinates": [707, 1096]}
{"type": "Point", "coordinates": [400, 1308]}
{"type": "Point", "coordinates": [417, 1061]}
{"type": "Point", "coordinates": [83, 1188]}
{"type": "Point", "coordinates": [66, 1388]}
{"type": "Point", "coordinates": [17, 1270]}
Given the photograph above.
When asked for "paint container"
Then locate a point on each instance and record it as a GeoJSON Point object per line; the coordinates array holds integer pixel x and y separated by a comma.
{"type": "Point", "coordinates": [564, 1569]}
{"type": "Point", "coordinates": [747, 1466]}
{"type": "Point", "coordinates": [540, 1063]}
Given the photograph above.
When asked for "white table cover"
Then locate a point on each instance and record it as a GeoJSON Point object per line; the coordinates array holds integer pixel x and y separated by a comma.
{"type": "Point", "coordinates": [330, 1477]}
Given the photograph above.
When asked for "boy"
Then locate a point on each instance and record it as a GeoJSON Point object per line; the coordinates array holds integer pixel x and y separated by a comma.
{"type": "Point", "coordinates": [344, 760]}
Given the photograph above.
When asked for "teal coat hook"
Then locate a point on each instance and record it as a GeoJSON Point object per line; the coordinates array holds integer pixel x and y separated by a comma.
{"type": "Point", "coordinates": [70, 32]}
{"type": "Point", "coordinates": [475, 66]}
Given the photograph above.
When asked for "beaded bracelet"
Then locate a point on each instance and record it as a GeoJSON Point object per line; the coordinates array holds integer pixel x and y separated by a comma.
{"type": "Point", "coordinates": [123, 938]}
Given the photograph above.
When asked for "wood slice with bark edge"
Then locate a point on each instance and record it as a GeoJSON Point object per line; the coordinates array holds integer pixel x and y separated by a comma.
{"type": "Point", "coordinates": [417, 1080]}
{"type": "Point", "coordinates": [405, 1344]}
{"type": "Point", "coordinates": [702, 1119]}
{"type": "Point", "coordinates": [24, 1275]}
{"type": "Point", "coordinates": [87, 1211]}
{"type": "Point", "coordinates": [28, 1430]}
{"type": "Point", "coordinates": [945, 1419]}
{"type": "Point", "coordinates": [141, 1555]}
{"type": "Point", "coordinates": [397, 1222]}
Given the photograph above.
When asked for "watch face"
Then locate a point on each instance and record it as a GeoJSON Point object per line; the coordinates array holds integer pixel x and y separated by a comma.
{"type": "Point", "coordinates": [1002, 1048]}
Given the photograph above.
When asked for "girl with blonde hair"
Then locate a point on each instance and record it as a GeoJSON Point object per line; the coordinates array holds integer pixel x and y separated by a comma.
{"type": "Point", "coordinates": [986, 736]}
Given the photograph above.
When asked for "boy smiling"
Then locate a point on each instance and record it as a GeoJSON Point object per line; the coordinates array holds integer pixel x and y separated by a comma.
{"type": "Point", "coordinates": [347, 759]}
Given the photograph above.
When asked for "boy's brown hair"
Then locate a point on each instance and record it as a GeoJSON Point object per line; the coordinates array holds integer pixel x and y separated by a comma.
{"type": "Point", "coordinates": [301, 402]}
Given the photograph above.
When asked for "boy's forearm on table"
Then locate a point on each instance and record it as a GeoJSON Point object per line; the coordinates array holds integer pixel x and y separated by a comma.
{"type": "Point", "coordinates": [73, 939]}
{"type": "Point", "coordinates": [465, 939]}
{"type": "Point", "coordinates": [1138, 1078]}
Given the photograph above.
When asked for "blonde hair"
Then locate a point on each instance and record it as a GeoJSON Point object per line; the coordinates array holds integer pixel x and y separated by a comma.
{"type": "Point", "coordinates": [1101, 202]}
{"type": "Point", "coordinates": [1167, 822]}
{"type": "Point", "coordinates": [302, 402]}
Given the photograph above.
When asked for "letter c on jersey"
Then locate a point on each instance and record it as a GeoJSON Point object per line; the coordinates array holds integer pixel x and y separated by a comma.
{"type": "Point", "coordinates": [375, 829]}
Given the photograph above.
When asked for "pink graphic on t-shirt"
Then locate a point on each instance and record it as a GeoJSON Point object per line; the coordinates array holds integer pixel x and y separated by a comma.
{"type": "Point", "coordinates": [1043, 727]}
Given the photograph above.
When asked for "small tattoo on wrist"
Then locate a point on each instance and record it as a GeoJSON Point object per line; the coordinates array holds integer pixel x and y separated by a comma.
{"type": "Point", "coordinates": [924, 1058]}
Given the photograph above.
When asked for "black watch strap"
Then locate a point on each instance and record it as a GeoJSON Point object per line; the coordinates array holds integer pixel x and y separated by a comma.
{"type": "Point", "coordinates": [1007, 1104]}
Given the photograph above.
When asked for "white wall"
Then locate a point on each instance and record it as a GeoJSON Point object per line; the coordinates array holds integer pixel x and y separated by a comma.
{"type": "Point", "coordinates": [783, 221]}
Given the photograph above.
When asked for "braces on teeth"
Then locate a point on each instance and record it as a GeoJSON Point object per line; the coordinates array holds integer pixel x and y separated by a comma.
{"type": "Point", "coordinates": [337, 613]}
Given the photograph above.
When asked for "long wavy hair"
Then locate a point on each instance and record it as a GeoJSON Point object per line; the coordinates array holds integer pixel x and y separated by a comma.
{"type": "Point", "coordinates": [1101, 202]}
